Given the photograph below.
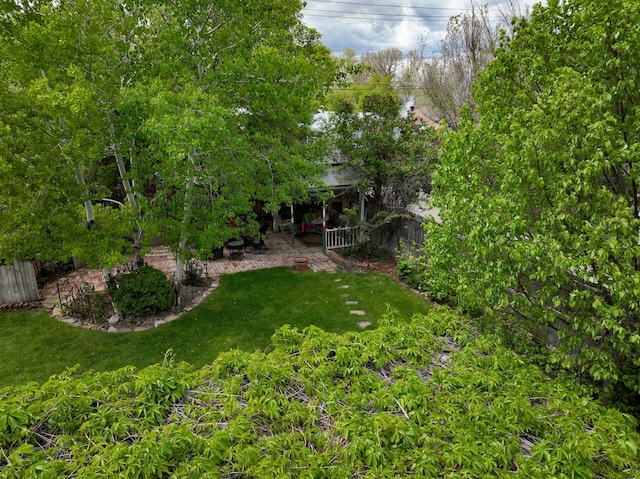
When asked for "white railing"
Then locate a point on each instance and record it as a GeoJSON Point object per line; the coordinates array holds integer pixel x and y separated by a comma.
{"type": "Point", "coordinates": [340, 237]}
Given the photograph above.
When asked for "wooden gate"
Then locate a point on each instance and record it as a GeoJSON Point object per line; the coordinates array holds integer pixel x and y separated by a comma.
{"type": "Point", "coordinates": [344, 237]}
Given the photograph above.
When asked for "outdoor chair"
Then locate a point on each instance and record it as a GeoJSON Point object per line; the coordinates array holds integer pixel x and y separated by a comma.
{"type": "Point", "coordinates": [283, 226]}
{"type": "Point", "coordinates": [258, 243]}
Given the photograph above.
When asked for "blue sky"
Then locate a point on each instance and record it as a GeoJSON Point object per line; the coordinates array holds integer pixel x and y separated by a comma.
{"type": "Point", "coordinates": [371, 25]}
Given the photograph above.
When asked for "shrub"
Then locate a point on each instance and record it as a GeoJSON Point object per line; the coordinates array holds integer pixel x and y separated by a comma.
{"type": "Point", "coordinates": [144, 291]}
{"type": "Point", "coordinates": [412, 270]}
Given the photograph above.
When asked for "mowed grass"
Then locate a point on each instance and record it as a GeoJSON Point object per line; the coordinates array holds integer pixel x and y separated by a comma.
{"type": "Point", "coordinates": [242, 313]}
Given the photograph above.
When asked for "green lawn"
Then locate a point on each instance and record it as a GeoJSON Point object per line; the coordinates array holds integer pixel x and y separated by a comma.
{"type": "Point", "coordinates": [243, 312]}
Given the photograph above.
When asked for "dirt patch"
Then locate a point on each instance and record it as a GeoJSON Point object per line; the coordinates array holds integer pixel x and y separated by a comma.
{"type": "Point", "coordinates": [348, 263]}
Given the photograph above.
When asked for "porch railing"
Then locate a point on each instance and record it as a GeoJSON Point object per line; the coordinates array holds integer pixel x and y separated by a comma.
{"type": "Point", "coordinates": [344, 237]}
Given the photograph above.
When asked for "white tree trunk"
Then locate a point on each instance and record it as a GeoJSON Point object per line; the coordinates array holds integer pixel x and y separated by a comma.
{"type": "Point", "coordinates": [178, 275]}
{"type": "Point", "coordinates": [91, 220]}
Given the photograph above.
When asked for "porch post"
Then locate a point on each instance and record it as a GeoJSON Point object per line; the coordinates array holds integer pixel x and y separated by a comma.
{"type": "Point", "coordinates": [363, 216]}
{"type": "Point", "coordinates": [293, 227]}
{"type": "Point", "coordinates": [324, 226]}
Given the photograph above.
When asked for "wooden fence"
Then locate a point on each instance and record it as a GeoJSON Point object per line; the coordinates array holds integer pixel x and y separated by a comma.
{"type": "Point", "coordinates": [403, 235]}
{"type": "Point", "coordinates": [18, 283]}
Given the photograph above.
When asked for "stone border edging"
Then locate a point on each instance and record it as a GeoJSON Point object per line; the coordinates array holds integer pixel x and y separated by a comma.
{"type": "Point", "coordinates": [57, 313]}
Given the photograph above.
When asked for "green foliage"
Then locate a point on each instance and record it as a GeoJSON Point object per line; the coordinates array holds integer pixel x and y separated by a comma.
{"type": "Point", "coordinates": [392, 155]}
{"type": "Point", "coordinates": [413, 271]}
{"type": "Point", "coordinates": [201, 106]}
{"type": "Point", "coordinates": [216, 124]}
{"type": "Point", "coordinates": [539, 197]}
{"type": "Point", "coordinates": [59, 76]}
{"type": "Point", "coordinates": [429, 399]}
{"type": "Point", "coordinates": [144, 291]}
{"type": "Point", "coordinates": [353, 97]}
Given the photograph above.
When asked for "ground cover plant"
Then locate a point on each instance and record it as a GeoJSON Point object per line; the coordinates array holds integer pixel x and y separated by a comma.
{"type": "Point", "coordinates": [427, 399]}
{"type": "Point", "coordinates": [243, 312]}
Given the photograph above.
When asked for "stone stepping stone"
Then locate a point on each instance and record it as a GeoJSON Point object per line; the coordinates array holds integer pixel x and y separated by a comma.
{"type": "Point", "coordinates": [344, 295]}
{"type": "Point", "coordinates": [337, 280]}
{"type": "Point", "coordinates": [351, 302]}
{"type": "Point", "coordinates": [344, 286]}
{"type": "Point", "coordinates": [364, 324]}
{"type": "Point", "coordinates": [357, 312]}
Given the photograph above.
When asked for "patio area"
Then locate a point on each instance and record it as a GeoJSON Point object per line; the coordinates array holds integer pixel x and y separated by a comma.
{"type": "Point", "coordinates": [280, 253]}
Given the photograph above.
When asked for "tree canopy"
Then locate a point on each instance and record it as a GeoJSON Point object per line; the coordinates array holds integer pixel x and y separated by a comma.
{"type": "Point", "coordinates": [428, 398]}
{"type": "Point", "coordinates": [185, 112]}
{"type": "Point", "coordinates": [539, 198]}
{"type": "Point", "coordinates": [57, 84]}
{"type": "Point", "coordinates": [444, 83]}
{"type": "Point", "coordinates": [389, 150]}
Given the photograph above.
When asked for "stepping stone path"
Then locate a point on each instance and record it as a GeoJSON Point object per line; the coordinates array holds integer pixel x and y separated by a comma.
{"type": "Point", "coordinates": [357, 312]}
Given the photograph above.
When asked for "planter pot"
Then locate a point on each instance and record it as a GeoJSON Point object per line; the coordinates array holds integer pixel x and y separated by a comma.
{"type": "Point", "coordinates": [301, 263]}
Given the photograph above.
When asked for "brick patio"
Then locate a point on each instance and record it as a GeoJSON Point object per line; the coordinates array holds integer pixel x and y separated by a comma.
{"type": "Point", "coordinates": [280, 253]}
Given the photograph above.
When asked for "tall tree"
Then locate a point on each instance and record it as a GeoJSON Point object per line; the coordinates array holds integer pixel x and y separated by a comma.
{"type": "Point", "coordinates": [409, 78]}
{"type": "Point", "coordinates": [466, 49]}
{"type": "Point", "coordinates": [384, 63]}
{"type": "Point", "coordinates": [392, 154]}
{"type": "Point", "coordinates": [540, 198]}
{"type": "Point", "coordinates": [198, 119]}
{"type": "Point", "coordinates": [221, 120]}
{"type": "Point", "coordinates": [60, 73]}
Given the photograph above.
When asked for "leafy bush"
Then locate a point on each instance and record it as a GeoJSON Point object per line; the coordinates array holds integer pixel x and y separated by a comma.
{"type": "Point", "coordinates": [416, 272]}
{"type": "Point", "coordinates": [413, 271]}
{"type": "Point", "coordinates": [144, 291]}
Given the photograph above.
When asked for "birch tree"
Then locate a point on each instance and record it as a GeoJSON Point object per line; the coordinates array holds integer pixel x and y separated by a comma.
{"type": "Point", "coordinates": [219, 120]}
{"type": "Point", "coordinates": [59, 76]}
{"type": "Point", "coordinates": [201, 107]}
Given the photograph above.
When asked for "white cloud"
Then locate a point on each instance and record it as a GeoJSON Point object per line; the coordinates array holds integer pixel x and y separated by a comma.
{"type": "Point", "coordinates": [370, 25]}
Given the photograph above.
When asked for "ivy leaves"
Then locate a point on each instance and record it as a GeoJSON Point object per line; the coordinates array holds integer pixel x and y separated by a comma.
{"type": "Point", "coordinates": [427, 398]}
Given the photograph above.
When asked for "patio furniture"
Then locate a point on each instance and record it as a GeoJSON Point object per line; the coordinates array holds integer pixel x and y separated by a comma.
{"type": "Point", "coordinates": [236, 249]}
{"type": "Point", "coordinates": [284, 226]}
{"type": "Point", "coordinates": [258, 243]}
{"type": "Point", "coordinates": [217, 252]}
{"type": "Point", "coordinates": [314, 224]}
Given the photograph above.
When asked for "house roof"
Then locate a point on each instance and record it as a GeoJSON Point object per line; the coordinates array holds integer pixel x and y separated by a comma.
{"type": "Point", "coordinates": [336, 177]}
{"type": "Point", "coordinates": [422, 209]}
{"type": "Point", "coordinates": [425, 115]}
